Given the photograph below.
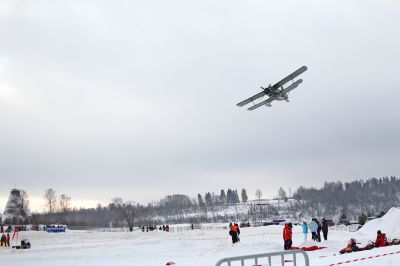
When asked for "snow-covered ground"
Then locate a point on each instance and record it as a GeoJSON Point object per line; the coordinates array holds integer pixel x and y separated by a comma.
{"type": "Point", "coordinates": [193, 247]}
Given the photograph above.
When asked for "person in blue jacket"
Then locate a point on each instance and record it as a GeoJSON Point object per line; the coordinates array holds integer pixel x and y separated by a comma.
{"type": "Point", "coordinates": [305, 231]}
{"type": "Point", "coordinates": [314, 228]}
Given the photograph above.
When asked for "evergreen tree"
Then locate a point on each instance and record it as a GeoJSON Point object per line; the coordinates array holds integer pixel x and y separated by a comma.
{"type": "Point", "coordinates": [244, 196]}
{"type": "Point", "coordinates": [201, 201]}
{"type": "Point", "coordinates": [208, 199]}
{"type": "Point", "coordinates": [362, 218]}
{"type": "Point", "coordinates": [236, 199]}
{"type": "Point", "coordinates": [222, 196]}
{"type": "Point", "coordinates": [229, 196]}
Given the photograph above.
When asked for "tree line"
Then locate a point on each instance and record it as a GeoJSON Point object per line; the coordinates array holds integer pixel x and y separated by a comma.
{"type": "Point", "coordinates": [351, 200]}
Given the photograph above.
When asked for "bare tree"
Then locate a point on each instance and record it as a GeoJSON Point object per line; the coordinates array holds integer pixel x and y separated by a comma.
{"type": "Point", "coordinates": [25, 210]}
{"type": "Point", "coordinates": [282, 194]}
{"type": "Point", "coordinates": [64, 203]}
{"type": "Point", "coordinates": [259, 195]}
{"type": "Point", "coordinates": [127, 211]}
{"type": "Point", "coordinates": [50, 200]}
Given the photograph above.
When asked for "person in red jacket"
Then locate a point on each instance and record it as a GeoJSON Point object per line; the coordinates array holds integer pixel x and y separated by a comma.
{"type": "Point", "coordinates": [287, 236]}
{"type": "Point", "coordinates": [381, 240]}
{"type": "Point", "coordinates": [234, 233]}
{"type": "Point", "coordinates": [8, 240]}
{"type": "Point", "coordinates": [352, 247]}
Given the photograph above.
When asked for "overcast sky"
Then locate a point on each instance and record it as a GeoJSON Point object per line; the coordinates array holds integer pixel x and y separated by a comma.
{"type": "Point", "coordinates": [137, 99]}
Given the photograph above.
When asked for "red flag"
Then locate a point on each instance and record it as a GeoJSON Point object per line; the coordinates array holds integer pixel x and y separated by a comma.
{"type": "Point", "coordinates": [15, 232]}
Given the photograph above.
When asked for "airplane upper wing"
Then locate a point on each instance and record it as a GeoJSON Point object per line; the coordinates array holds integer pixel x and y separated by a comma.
{"type": "Point", "coordinates": [252, 98]}
{"type": "Point", "coordinates": [290, 77]}
{"type": "Point", "coordinates": [261, 104]}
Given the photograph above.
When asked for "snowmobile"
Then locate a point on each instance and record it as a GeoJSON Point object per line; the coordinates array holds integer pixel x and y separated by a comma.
{"type": "Point", "coordinates": [25, 244]}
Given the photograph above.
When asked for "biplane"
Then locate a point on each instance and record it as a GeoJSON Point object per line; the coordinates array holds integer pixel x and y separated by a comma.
{"type": "Point", "coordinates": [276, 92]}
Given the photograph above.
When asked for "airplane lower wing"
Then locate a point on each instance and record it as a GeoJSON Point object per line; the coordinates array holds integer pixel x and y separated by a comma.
{"type": "Point", "coordinates": [291, 87]}
{"type": "Point", "coordinates": [252, 98]}
{"type": "Point", "coordinates": [267, 101]}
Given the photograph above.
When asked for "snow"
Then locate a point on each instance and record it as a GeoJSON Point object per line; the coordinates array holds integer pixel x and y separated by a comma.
{"type": "Point", "coordinates": [388, 224]}
{"type": "Point", "coordinates": [188, 247]}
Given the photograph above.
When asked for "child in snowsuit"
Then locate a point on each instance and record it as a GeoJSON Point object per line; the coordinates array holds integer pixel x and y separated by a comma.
{"type": "Point", "coordinates": [8, 240]}
{"type": "Point", "coordinates": [287, 236]}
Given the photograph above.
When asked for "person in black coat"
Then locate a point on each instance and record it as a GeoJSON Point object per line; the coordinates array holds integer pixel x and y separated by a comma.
{"type": "Point", "coordinates": [234, 232]}
{"type": "Point", "coordinates": [325, 228]}
{"type": "Point", "coordinates": [319, 231]}
{"type": "Point", "coordinates": [3, 240]}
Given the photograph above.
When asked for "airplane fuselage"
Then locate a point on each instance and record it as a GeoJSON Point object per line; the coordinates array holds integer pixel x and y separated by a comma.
{"type": "Point", "coordinates": [276, 94]}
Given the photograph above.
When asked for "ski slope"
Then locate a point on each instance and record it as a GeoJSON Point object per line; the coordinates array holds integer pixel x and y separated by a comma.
{"type": "Point", "coordinates": [193, 247]}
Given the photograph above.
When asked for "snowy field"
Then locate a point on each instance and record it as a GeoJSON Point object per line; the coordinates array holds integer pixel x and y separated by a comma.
{"type": "Point", "coordinates": [194, 247]}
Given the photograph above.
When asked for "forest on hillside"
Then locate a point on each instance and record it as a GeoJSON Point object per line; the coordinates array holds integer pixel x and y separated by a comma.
{"type": "Point", "coordinates": [351, 200]}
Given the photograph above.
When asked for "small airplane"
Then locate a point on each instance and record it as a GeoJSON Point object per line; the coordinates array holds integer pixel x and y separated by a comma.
{"type": "Point", "coordinates": [275, 92]}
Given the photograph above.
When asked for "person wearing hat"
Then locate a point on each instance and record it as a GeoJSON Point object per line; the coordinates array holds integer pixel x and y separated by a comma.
{"type": "Point", "coordinates": [381, 240]}
{"type": "Point", "coordinates": [287, 236]}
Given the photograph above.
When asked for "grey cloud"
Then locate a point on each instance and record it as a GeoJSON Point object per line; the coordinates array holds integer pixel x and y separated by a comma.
{"type": "Point", "coordinates": [138, 99]}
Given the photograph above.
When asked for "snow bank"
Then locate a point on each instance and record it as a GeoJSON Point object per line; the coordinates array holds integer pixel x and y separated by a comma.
{"type": "Point", "coordinates": [389, 224]}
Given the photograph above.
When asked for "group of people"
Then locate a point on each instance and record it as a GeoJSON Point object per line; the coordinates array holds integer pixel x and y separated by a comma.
{"type": "Point", "coordinates": [5, 240]}
{"type": "Point", "coordinates": [155, 228]}
{"type": "Point", "coordinates": [381, 241]}
{"type": "Point", "coordinates": [245, 224]}
{"type": "Point", "coordinates": [316, 227]}
{"type": "Point", "coordinates": [234, 232]}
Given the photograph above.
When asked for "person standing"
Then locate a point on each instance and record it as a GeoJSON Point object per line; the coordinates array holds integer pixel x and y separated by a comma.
{"type": "Point", "coordinates": [238, 231]}
{"type": "Point", "coordinates": [313, 229]}
{"type": "Point", "coordinates": [3, 240]}
{"type": "Point", "coordinates": [319, 229]}
{"type": "Point", "coordinates": [287, 236]}
{"type": "Point", "coordinates": [234, 233]}
{"type": "Point", "coordinates": [305, 231]}
{"type": "Point", "coordinates": [325, 228]}
{"type": "Point", "coordinates": [8, 240]}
